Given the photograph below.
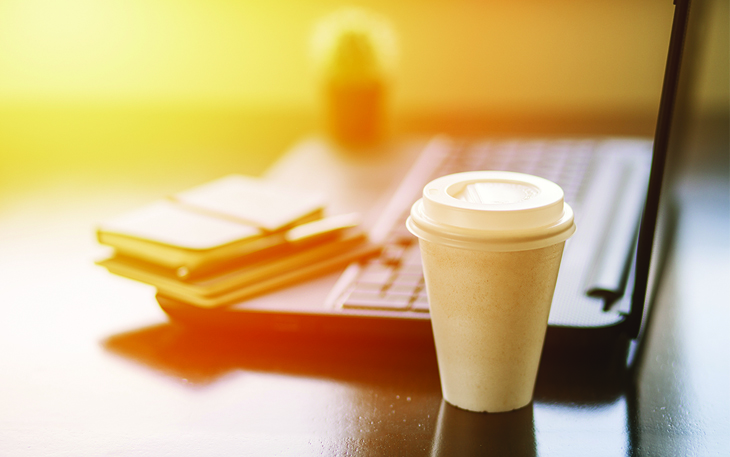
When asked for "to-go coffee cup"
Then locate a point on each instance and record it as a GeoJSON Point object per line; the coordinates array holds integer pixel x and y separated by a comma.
{"type": "Point", "coordinates": [491, 244]}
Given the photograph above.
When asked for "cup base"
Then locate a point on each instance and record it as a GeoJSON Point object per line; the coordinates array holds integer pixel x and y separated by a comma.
{"type": "Point", "coordinates": [495, 410]}
{"type": "Point", "coordinates": [489, 313]}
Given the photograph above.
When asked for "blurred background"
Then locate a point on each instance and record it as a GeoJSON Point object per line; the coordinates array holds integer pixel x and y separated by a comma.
{"type": "Point", "coordinates": [106, 105]}
{"type": "Point", "coordinates": [146, 87]}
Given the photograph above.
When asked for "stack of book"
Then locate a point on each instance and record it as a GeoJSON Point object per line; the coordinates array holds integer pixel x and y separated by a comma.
{"type": "Point", "coordinates": [229, 240]}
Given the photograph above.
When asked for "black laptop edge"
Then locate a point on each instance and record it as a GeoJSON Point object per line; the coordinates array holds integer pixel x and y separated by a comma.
{"type": "Point", "coordinates": [648, 227]}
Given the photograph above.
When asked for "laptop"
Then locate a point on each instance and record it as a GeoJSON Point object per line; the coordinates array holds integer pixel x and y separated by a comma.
{"type": "Point", "coordinates": [603, 290]}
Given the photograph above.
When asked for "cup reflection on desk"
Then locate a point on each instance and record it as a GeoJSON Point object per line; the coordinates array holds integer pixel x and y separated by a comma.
{"type": "Point", "coordinates": [465, 433]}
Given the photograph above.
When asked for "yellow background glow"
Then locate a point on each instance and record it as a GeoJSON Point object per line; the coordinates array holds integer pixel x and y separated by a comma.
{"type": "Point", "coordinates": [521, 55]}
{"type": "Point", "coordinates": [80, 78]}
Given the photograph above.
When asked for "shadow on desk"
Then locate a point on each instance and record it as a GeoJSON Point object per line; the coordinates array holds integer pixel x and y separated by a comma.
{"type": "Point", "coordinates": [574, 383]}
{"type": "Point", "coordinates": [200, 357]}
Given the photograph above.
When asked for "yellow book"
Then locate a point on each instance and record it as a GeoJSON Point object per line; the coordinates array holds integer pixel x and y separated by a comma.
{"type": "Point", "coordinates": [211, 224]}
{"type": "Point", "coordinates": [252, 201]}
{"type": "Point", "coordinates": [248, 279]}
{"type": "Point", "coordinates": [217, 282]}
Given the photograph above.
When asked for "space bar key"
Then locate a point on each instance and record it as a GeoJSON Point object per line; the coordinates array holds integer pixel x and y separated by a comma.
{"type": "Point", "coordinates": [387, 302]}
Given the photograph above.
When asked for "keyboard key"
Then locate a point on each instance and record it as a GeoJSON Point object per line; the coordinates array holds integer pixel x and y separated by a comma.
{"type": "Point", "coordinates": [412, 257]}
{"type": "Point", "coordinates": [375, 274]}
{"type": "Point", "coordinates": [392, 254]}
{"type": "Point", "coordinates": [378, 286]}
{"type": "Point", "coordinates": [383, 301]}
{"type": "Point", "coordinates": [420, 304]}
{"type": "Point", "coordinates": [410, 289]}
{"type": "Point", "coordinates": [410, 269]}
{"type": "Point", "coordinates": [408, 279]}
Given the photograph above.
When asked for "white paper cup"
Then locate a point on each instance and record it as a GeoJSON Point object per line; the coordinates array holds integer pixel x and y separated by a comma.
{"type": "Point", "coordinates": [491, 244]}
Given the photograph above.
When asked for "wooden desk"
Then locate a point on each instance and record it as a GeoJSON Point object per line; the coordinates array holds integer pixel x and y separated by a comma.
{"type": "Point", "coordinates": [91, 366]}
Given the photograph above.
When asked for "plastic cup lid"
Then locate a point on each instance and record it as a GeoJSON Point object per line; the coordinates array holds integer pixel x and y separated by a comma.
{"type": "Point", "coordinates": [492, 210]}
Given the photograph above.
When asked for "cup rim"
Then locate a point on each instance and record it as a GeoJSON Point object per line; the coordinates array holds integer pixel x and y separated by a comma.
{"type": "Point", "coordinates": [527, 224]}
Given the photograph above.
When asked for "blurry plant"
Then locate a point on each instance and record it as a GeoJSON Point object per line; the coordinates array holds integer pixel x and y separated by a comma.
{"type": "Point", "coordinates": [354, 44]}
{"type": "Point", "coordinates": [354, 52]}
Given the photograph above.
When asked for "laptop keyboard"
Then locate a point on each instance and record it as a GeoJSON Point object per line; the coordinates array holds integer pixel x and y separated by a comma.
{"type": "Point", "coordinates": [393, 281]}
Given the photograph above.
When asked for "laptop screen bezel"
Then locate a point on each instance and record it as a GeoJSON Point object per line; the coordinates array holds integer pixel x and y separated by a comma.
{"type": "Point", "coordinates": [647, 230]}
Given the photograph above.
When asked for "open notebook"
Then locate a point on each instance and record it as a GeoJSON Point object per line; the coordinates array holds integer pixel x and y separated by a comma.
{"type": "Point", "coordinates": [613, 184]}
